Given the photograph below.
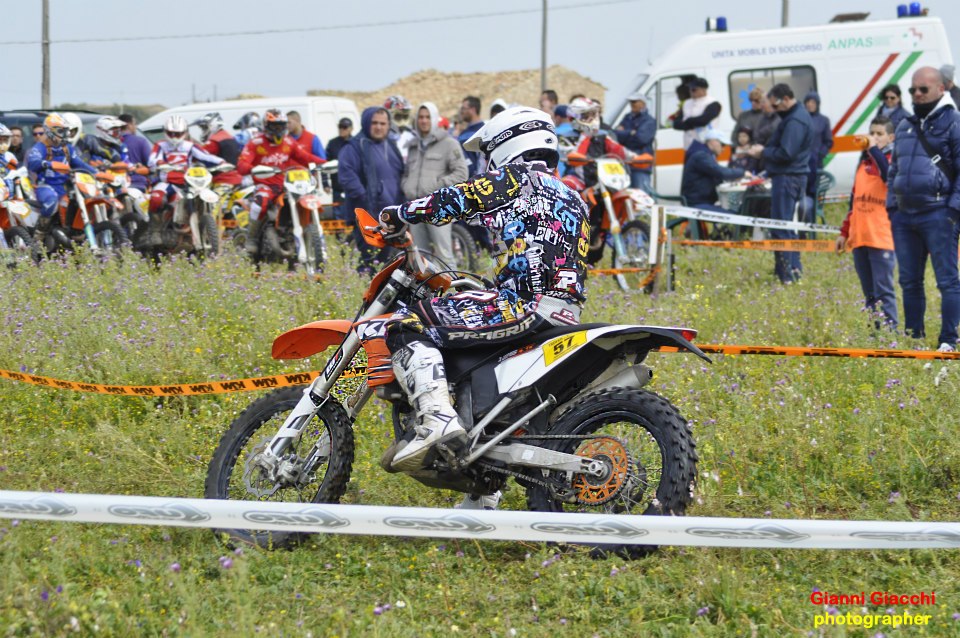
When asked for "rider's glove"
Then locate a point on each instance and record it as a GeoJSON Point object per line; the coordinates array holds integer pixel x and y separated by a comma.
{"type": "Point", "coordinates": [45, 165]}
{"type": "Point", "coordinates": [391, 224]}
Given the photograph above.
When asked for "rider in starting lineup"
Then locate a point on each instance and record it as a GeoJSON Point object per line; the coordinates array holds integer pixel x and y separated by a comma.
{"type": "Point", "coordinates": [540, 225]}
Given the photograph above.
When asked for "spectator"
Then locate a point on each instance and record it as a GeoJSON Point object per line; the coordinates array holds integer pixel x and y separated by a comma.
{"type": "Point", "coordinates": [819, 149]}
{"type": "Point", "coordinates": [434, 161]}
{"type": "Point", "coordinates": [16, 144]}
{"type": "Point", "coordinates": [698, 113]}
{"type": "Point", "coordinates": [370, 168]}
{"type": "Point", "coordinates": [702, 173]}
{"type": "Point", "coordinates": [138, 149]}
{"type": "Point", "coordinates": [470, 116]}
{"type": "Point", "coordinates": [562, 120]}
{"type": "Point", "coordinates": [741, 154]}
{"type": "Point", "coordinates": [767, 125]}
{"type": "Point", "coordinates": [498, 106]}
{"type": "Point", "coordinates": [924, 204]}
{"type": "Point", "coordinates": [637, 131]}
{"type": "Point", "coordinates": [307, 140]}
{"type": "Point", "coordinates": [891, 105]}
{"type": "Point", "coordinates": [549, 101]}
{"type": "Point", "coordinates": [787, 161]}
{"type": "Point", "coordinates": [751, 117]}
{"type": "Point", "coordinates": [866, 229]}
{"type": "Point", "coordinates": [344, 135]}
{"type": "Point", "coordinates": [947, 71]}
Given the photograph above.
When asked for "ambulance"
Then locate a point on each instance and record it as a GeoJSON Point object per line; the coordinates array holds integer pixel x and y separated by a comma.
{"type": "Point", "coordinates": [847, 62]}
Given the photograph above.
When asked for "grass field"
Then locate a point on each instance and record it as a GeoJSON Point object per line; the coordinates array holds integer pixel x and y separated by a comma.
{"type": "Point", "coordinates": [778, 437]}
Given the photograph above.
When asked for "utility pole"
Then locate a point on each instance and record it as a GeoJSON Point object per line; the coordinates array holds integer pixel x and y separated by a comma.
{"type": "Point", "coordinates": [785, 13]}
{"type": "Point", "coordinates": [543, 49]}
{"type": "Point", "coordinates": [45, 48]}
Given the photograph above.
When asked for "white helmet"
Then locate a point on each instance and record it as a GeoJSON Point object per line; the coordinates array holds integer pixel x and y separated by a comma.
{"type": "Point", "coordinates": [175, 128]}
{"type": "Point", "coordinates": [74, 126]}
{"type": "Point", "coordinates": [6, 135]}
{"type": "Point", "coordinates": [110, 130]}
{"type": "Point", "coordinates": [519, 132]}
{"type": "Point", "coordinates": [586, 115]}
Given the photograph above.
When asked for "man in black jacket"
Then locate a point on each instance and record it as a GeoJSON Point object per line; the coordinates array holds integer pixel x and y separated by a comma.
{"type": "Point", "coordinates": [344, 135]}
{"type": "Point", "coordinates": [787, 161]}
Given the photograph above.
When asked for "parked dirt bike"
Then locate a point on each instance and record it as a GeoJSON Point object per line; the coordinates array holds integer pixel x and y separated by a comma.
{"type": "Point", "coordinates": [135, 205]}
{"type": "Point", "coordinates": [86, 216]}
{"type": "Point", "coordinates": [616, 212]}
{"type": "Point", "coordinates": [294, 238]}
{"type": "Point", "coordinates": [17, 218]}
{"type": "Point", "coordinates": [562, 411]}
{"type": "Point", "coordinates": [199, 234]}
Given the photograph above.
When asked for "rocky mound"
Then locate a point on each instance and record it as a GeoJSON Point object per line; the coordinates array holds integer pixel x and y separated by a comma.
{"type": "Point", "coordinates": [447, 90]}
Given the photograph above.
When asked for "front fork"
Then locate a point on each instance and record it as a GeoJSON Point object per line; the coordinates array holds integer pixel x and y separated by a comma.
{"type": "Point", "coordinates": [297, 232]}
{"type": "Point", "coordinates": [614, 222]}
{"type": "Point", "coordinates": [87, 226]}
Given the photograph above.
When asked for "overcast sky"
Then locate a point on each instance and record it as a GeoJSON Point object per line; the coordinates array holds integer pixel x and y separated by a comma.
{"type": "Point", "coordinates": [607, 40]}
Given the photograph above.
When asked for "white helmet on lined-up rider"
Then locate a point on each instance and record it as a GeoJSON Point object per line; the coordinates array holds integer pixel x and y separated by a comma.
{"type": "Point", "coordinates": [6, 135]}
{"type": "Point", "coordinates": [110, 130]}
{"type": "Point", "coordinates": [175, 129]}
{"type": "Point", "coordinates": [586, 115]}
{"type": "Point", "coordinates": [208, 125]}
{"type": "Point", "coordinates": [519, 132]}
{"type": "Point", "coordinates": [74, 126]}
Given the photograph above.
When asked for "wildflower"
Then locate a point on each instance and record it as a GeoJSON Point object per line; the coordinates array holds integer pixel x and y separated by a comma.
{"type": "Point", "coordinates": [563, 621]}
{"type": "Point", "coordinates": [703, 611]}
{"type": "Point", "coordinates": [44, 595]}
{"type": "Point", "coordinates": [400, 604]}
{"type": "Point", "coordinates": [175, 568]}
{"type": "Point", "coordinates": [225, 562]}
{"type": "Point", "coordinates": [377, 610]}
{"type": "Point", "coordinates": [956, 616]}
{"type": "Point", "coordinates": [893, 497]}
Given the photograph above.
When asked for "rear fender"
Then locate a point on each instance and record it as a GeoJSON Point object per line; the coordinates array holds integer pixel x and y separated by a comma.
{"type": "Point", "coordinates": [307, 340]}
{"type": "Point", "coordinates": [577, 350]}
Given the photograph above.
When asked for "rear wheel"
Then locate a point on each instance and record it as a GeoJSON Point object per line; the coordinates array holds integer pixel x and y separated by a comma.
{"type": "Point", "coordinates": [635, 257]}
{"type": "Point", "coordinates": [209, 235]}
{"type": "Point", "coordinates": [237, 473]}
{"type": "Point", "coordinates": [648, 450]}
{"type": "Point", "coordinates": [465, 249]}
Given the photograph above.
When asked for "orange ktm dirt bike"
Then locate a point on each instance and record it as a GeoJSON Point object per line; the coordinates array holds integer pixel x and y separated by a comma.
{"type": "Point", "coordinates": [563, 412]}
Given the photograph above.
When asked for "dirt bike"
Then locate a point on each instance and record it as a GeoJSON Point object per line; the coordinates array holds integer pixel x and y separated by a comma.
{"type": "Point", "coordinates": [86, 214]}
{"type": "Point", "coordinates": [615, 216]}
{"type": "Point", "coordinates": [17, 218]}
{"type": "Point", "coordinates": [294, 238]}
{"type": "Point", "coordinates": [193, 203]}
{"type": "Point", "coordinates": [562, 411]}
{"type": "Point", "coordinates": [135, 205]}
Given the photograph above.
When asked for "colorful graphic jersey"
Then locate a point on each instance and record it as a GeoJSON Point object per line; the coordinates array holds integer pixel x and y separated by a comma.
{"type": "Point", "coordinates": [541, 223]}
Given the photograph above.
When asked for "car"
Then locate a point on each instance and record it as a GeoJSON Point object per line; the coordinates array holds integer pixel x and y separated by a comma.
{"type": "Point", "coordinates": [28, 118]}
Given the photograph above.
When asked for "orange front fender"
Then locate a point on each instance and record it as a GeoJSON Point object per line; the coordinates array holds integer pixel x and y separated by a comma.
{"type": "Point", "coordinates": [309, 339]}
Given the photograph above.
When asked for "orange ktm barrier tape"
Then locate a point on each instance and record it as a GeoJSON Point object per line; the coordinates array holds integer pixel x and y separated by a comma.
{"type": "Point", "coordinates": [793, 351]}
{"type": "Point", "coordinates": [799, 245]}
{"type": "Point", "coordinates": [329, 225]}
{"type": "Point", "coordinates": [180, 389]}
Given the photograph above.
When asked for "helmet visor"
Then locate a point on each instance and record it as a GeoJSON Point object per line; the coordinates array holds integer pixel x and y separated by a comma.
{"type": "Point", "coordinates": [276, 130]}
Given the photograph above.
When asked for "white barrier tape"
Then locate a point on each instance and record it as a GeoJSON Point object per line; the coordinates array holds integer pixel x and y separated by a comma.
{"type": "Point", "coordinates": [742, 220]}
{"type": "Point", "coordinates": [479, 524]}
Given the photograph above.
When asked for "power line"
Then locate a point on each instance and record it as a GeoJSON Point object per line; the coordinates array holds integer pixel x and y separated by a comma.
{"type": "Point", "coordinates": [289, 30]}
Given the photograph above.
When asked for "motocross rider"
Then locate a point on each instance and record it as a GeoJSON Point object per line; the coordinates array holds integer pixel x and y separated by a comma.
{"type": "Point", "coordinates": [8, 161]}
{"type": "Point", "coordinates": [74, 128]}
{"type": "Point", "coordinates": [51, 187]}
{"type": "Point", "coordinates": [249, 126]}
{"type": "Point", "coordinates": [400, 132]}
{"type": "Point", "coordinates": [177, 151]}
{"type": "Point", "coordinates": [593, 142]}
{"type": "Point", "coordinates": [217, 141]}
{"type": "Point", "coordinates": [542, 226]}
{"type": "Point", "coordinates": [273, 148]}
{"type": "Point", "coordinates": [107, 145]}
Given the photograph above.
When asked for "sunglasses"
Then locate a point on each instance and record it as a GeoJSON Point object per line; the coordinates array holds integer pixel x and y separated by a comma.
{"type": "Point", "coordinates": [38, 133]}
{"type": "Point", "coordinates": [919, 89]}
{"type": "Point", "coordinates": [892, 97]}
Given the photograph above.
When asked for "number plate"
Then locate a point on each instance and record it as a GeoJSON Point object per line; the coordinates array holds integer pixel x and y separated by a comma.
{"type": "Point", "coordinates": [85, 178]}
{"type": "Point", "coordinates": [298, 176]}
{"type": "Point", "coordinates": [612, 168]}
{"type": "Point", "coordinates": [196, 171]}
{"type": "Point", "coordinates": [562, 346]}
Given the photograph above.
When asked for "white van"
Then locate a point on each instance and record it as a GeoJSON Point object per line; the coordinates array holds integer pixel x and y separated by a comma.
{"type": "Point", "coordinates": [847, 63]}
{"type": "Point", "coordinates": [320, 114]}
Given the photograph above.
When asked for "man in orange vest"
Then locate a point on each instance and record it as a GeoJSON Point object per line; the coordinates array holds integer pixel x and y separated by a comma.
{"type": "Point", "coordinates": [866, 229]}
{"type": "Point", "coordinates": [310, 142]}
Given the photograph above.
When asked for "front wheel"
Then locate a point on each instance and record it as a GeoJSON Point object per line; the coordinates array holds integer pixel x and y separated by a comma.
{"type": "Point", "coordinates": [111, 235]}
{"type": "Point", "coordinates": [20, 239]}
{"type": "Point", "coordinates": [317, 465]}
{"type": "Point", "coordinates": [209, 236]}
{"type": "Point", "coordinates": [316, 248]}
{"type": "Point", "coordinates": [648, 450]}
{"type": "Point", "coordinates": [635, 257]}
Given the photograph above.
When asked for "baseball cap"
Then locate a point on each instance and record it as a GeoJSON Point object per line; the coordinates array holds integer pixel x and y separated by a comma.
{"type": "Point", "coordinates": [345, 123]}
{"type": "Point", "coordinates": [714, 134]}
{"type": "Point", "coordinates": [637, 96]}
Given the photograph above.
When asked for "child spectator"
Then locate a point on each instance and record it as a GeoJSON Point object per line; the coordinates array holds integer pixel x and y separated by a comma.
{"type": "Point", "coordinates": [740, 157]}
{"type": "Point", "coordinates": [866, 229]}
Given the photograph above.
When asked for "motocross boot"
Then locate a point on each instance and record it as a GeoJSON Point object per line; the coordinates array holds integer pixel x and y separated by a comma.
{"type": "Point", "coordinates": [419, 368]}
{"type": "Point", "coordinates": [480, 502]}
{"type": "Point", "coordinates": [253, 237]}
